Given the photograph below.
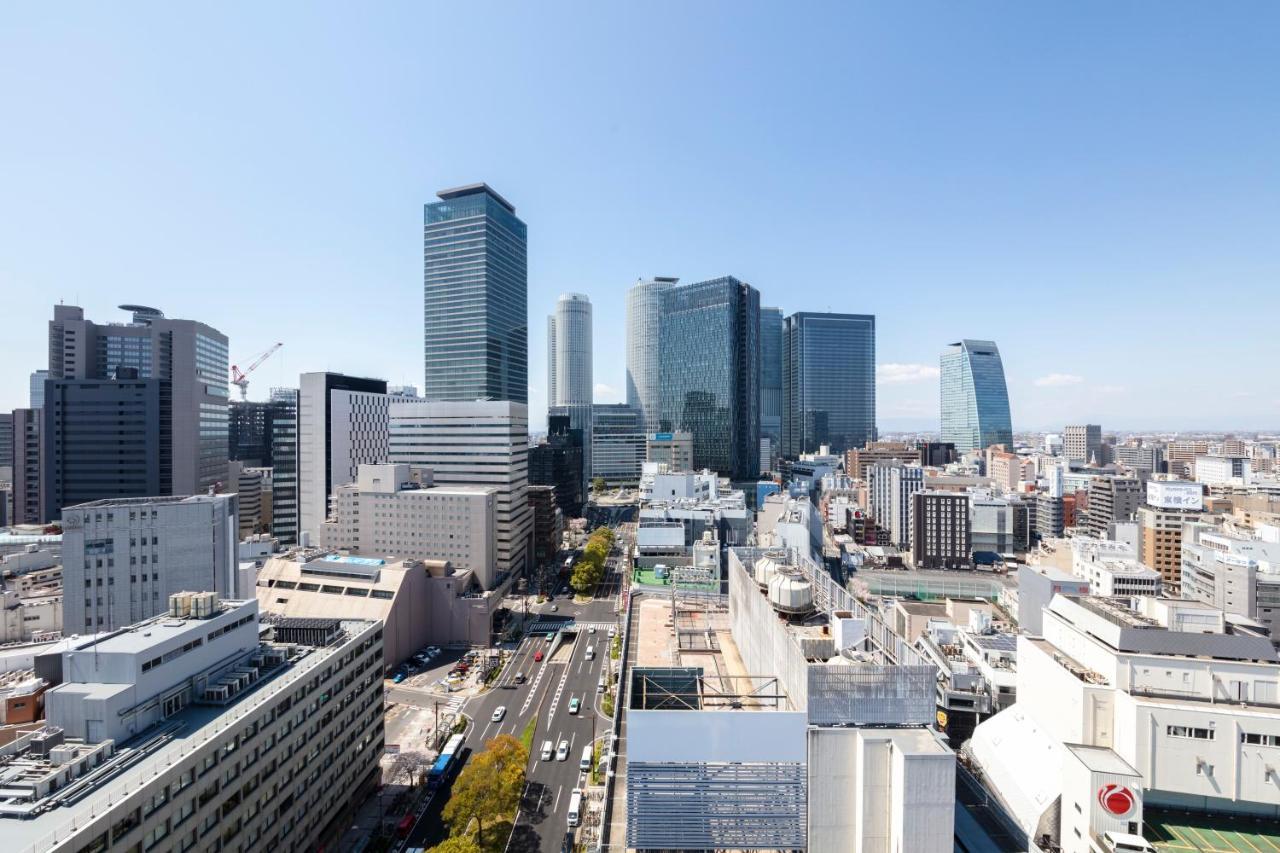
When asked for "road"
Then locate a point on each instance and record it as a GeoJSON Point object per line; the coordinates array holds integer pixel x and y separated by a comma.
{"type": "Point", "coordinates": [545, 696]}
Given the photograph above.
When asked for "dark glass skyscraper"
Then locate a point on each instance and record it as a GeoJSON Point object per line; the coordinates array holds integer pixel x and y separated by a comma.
{"type": "Point", "coordinates": [829, 382]}
{"type": "Point", "coordinates": [249, 433]}
{"type": "Point", "coordinates": [710, 373]}
{"type": "Point", "coordinates": [975, 401]}
{"type": "Point", "coordinates": [771, 380]}
{"type": "Point", "coordinates": [284, 460]}
{"type": "Point", "coordinates": [475, 298]}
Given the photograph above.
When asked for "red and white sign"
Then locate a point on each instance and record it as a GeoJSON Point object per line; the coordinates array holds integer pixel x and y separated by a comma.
{"type": "Point", "coordinates": [1117, 800]}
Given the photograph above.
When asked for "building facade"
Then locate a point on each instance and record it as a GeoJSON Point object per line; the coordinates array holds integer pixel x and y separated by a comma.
{"type": "Point", "coordinates": [829, 382]}
{"type": "Point", "coordinates": [249, 433]}
{"type": "Point", "coordinates": [1112, 500]}
{"type": "Point", "coordinates": [476, 298]}
{"type": "Point", "coordinates": [569, 382]}
{"type": "Point", "coordinates": [1170, 504]}
{"type": "Point", "coordinates": [975, 400]}
{"type": "Point", "coordinates": [673, 449]}
{"type": "Point", "coordinates": [644, 347]}
{"type": "Point", "coordinates": [1082, 443]}
{"type": "Point", "coordinates": [558, 463]}
{"type": "Point", "coordinates": [940, 530]}
{"type": "Point", "coordinates": [618, 444]}
{"type": "Point", "coordinates": [284, 468]}
{"type": "Point", "coordinates": [771, 387]}
{"type": "Point", "coordinates": [28, 467]}
{"type": "Point", "coordinates": [710, 373]}
{"type": "Point", "coordinates": [36, 392]}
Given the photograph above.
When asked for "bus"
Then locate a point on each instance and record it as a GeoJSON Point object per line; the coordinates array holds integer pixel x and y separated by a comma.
{"type": "Point", "coordinates": [446, 763]}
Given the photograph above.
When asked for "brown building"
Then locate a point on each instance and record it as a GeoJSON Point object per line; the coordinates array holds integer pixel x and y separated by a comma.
{"type": "Point", "coordinates": [1180, 457]}
{"type": "Point", "coordinates": [857, 461]}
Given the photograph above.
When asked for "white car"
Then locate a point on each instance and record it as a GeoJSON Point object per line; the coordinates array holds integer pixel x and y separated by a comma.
{"type": "Point", "coordinates": [591, 630]}
{"type": "Point", "coordinates": [498, 713]}
{"type": "Point", "coordinates": [562, 751]}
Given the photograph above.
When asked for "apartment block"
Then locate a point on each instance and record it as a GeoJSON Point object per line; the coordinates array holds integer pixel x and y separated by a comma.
{"type": "Point", "coordinates": [940, 530]}
{"type": "Point", "coordinates": [1111, 500]}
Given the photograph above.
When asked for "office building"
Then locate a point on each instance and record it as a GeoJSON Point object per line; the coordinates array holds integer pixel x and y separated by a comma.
{"type": "Point", "coordinates": [342, 424]}
{"type": "Point", "coordinates": [771, 386]}
{"type": "Point", "coordinates": [1181, 456]}
{"type": "Point", "coordinates": [122, 559]}
{"type": "Point", "coordinates": [1142, 459]}
{"type": "Point", "coordinates": [548, 525]}
{"type": "Point", "coordinates": [480, 443]}
{"type": "Point", "coordinates": [1049, 516]}
{"type": "Point", "coordinates": [1112, 500]}
{"type": "Point", "coordinates": [1170, 504]}
{"type": "Point", "coordinates": [936, 454]}
{"type": "Point", "coordinates": [28, 468]}
{"type": "Point", "coordinates": [557, 462]}
{"type": "Point", "coordinates": [1222, 470]}
{"type": "Point", "coordinates": [284, 465]}
{"type": "Point", "coordinates": [857, 461]}
{"type": "Point", "coordinates": [1082, 443]}
{"type": "Point", "coordinates": [249, 433]}
{"type": "Point", "coordinates": [476, 298]}
{"type": "Point", "coordinates": [36, 391]}
{"type": "Point", "coordinates": [710, 373]}
{"type": "Point", "coordinates": [999, 526]}
{"type": "Point", "coordinates": [617, 444]}
{"type": "Point", "coordinates": [6, 445]}
{"type": "Point", "coordinates": [829, 382]}
{"type": "Point", "coordinates": [184, 359]}
{"type": "Point", "coordinates": [673, 449]}
{"type": "Point", "coordinates": [1237, 575]}
{"type": "Point", "coordinates": [248, 486]}
{"type": "Point", "coordinates": [1112, 568]}
{"type": "Point", "coordinates": [395, 509]}
{"type": "Point", "coordinates": [940, 530]}
{"type": "Point", "coordinates": [199, 729]}
{"type": "Point", "coordinates": [891, 488]}
{"type": "Point", "coordinates": [569, 382]}
{"type": "Point", "coordinates": [644, 347]}
{"type": "Point", "coordinates": [975, 401]}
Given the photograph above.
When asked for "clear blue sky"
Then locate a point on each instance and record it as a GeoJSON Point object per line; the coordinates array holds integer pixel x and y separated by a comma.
{"type": "Point", "coordinates": [1096, 186]}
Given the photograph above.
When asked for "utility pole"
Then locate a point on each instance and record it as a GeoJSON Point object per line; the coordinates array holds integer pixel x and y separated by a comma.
{"type": "Point", "coordinates": [435, 733]}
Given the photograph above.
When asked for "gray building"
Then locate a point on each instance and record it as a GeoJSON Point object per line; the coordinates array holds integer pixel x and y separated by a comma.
{"type": "Point", "coordinates": [829, 382]}
{"type": "Point", "coordinates": [476, 298]}
{"type": "Point", "coordinates": [187, 362]}
{"type": "Point", "coordinates": [38, 378]}
{"type": "Point", "coordinates": [284, 465]}
{"type": "Point", "coordinates": [1111, 500]}
{"type": "Point", "coordinates": [710, 373]}
{"type": "Point", "coordinates": [1232, 573]}
{"type": "Point", "coordinates": [617, 444]}
{"type": "Point", "coordinates": [771, 387]}
{"type": "Point", "coordinates": [1082, 443]}
{"type": "Point", "coordinates": [940, 530]}
{"type": "Point", "coordinates": [6, 443]}
{"type": "Point", "coordinates": [892, 486]}
{"type": "Point", "coordinates": [1048, 516]}
{"type": "Point", "coordinates": [975, 400]}
{"type": "Point", "coordinates": [644, 347]}
{"type": "Point", "coordinates": [249, 432]}
{"type": "Point", "coordinates": [998, 525]}
{"type": "Point", "coordinates": [1143, 459]}
{"type": "Point", "coordinates": [122, 559]}
{"type": "Point", "coordinates": [28, 467]}
{"type": "Point", "coordinates": [569, 383]}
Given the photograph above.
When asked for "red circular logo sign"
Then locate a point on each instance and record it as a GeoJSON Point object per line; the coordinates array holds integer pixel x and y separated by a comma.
{"type": "Point", "coordinates": [1117, 800]}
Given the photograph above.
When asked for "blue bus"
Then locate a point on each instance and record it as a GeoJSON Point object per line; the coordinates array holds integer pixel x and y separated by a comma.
{"type": "Point", "coordinates": [446, 763]}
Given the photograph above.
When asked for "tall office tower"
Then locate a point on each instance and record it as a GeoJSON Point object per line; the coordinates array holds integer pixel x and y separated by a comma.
{"type": "Point", "coordinates": [829, 382]}
{"type": "Point", "coordinates": [6, 443]}
{"type": "Point", "coordinates": [1111, 500]}
{"type": "Point", "coordinates": [710, 373]}
{"type": "Point", "coordinates": [940, 530]}
{"type": "Point", "coordinates": [892, 485]}
{"type": "Point", "coordinates": [38, 378]}
{"type": "Point", "coordinates": [618, 444]}
{"type": "Point", "coordinates": [482, 443]}
{"type": "Point", "coordinates": [188, 361]}
{"type": "Point", "coordinates": [557, 462]}
{"type": "Point", "coordinates": [975, 401]}
{"type": "Point", "coordinates": [28, 467]}
{"type": "Point", "coordinates": [569, 382]}
{"type": "Point", "coordinates": [342, 424]}
{"type": "Point", "coordinates": [1170, 504]}
{"type": "Point", "coordinates": [284, 467]}
{"type": "Point", "coordinates": [249, 433]}
{"type": "Point", "coordinates": [644, 347]}
{"type": "Point", "coordinates": [476, 298]}
{"type": "Point", "coordinates": [1082, 443]}
{"type": "Point", "coordinates": [771, 387]}
{"type": "Point", "coordinates": [122, 559]}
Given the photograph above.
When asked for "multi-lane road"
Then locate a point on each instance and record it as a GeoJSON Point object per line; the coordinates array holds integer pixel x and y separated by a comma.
{"type": "Point", "coordinates": [545, 694]}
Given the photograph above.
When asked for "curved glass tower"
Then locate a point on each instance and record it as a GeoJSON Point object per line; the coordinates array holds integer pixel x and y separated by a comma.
{"type": "Point", "coordinates": [975, 400]}
{"type": "Point", "coordinates": [644, 326]}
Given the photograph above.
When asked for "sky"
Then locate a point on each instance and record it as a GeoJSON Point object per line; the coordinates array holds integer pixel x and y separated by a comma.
{"type": "Point", "coordinates": [1095, 186]}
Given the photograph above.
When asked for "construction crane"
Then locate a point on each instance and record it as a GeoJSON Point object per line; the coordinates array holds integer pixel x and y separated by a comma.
{"type": "Point", "coordinates": [240, 378]}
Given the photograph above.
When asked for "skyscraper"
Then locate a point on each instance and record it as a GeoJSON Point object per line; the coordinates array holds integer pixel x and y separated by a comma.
{"type": "Point", "coordinates": [710, 373]}
{"type": "Point", "coordinates": [569, 383]}
{"type": "Point", "coordinates": [284, 465]}
{"type": "Point", "coordinates": [170, 375]}
{"type": "Point", "coordinates": [249, 433]}
{"type": "Point", "coordinates": [771, 389]}
{"type": "Point", "coordinates": [975, 401]}
{"type": "Point", "coordinates": [38, 378]}
{"type": "Point", "coordinates": [475, 297]}
{"type": "Point", "coordinates": [644, 347]}
{"type": "Point", "coordinates": [829, 382]}
{"type": "Point", "coordinates": [1082, 443]}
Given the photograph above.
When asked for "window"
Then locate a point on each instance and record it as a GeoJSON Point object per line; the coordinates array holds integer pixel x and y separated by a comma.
{"type": "Point", "coordinates": [1259, 739]}
{"type": "Point", "coordinates": [1189, 732]}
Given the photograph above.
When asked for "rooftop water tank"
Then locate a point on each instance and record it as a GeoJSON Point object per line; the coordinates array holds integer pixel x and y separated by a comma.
{"type": "Point", "coordinates": [765, 568]}
{"type": "Point", "coordinates": [791, 594]}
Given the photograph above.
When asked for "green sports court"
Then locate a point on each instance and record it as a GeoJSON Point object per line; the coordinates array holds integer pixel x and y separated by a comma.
{"type": "Point", "coordinates": [1181, 832]}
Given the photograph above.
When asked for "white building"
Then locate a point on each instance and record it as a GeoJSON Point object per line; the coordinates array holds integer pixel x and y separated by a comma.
{"type": "Point", "coordinates": [644, 346]}
{"type": "Point", "coordinates": [122, 559]}
{"type": "Point", "coordinates": [196, 726]}
{"type": "Point", "coordinates": [1234, 573]}
{"type": "Point", "coordinates": [342, 424]}
{"type": "Point", "coordinates": [891, 489]}
{"type": "Point", "coordinates": [399, 510]}
{"type": "Point", "coordinates": [1223, 470]}
{"type": "Point", "coordinates": [485, 443]}
{"type": "Point", "coordinates": [1112, 568]}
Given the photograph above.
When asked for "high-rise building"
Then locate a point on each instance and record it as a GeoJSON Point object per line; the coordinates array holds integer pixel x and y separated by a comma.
{"type": "Point", "coordinates": [710, 374]}
{"type": "Point", "coordinates": [476, 298]}
{"type": "Point", "coordinates": [28, 468]}
{"type": "Point", "coordinates": [975, 401]}
{"type": "Point", "coordinates": [284, 467]}
{"type": "Point", "coordinates": [249, 486]}
{"type": "Point", "coordinates": [940, 530]}
{"type": "Point", "coordinates": [38, 378]}
{"type": "Point", "coordinates": [829, 382]}
{"type": "Point", "coordinates": [892, 485]}
{"type": "Point", "coordinates": [1112, 500]}
{"type": "Point", "coordinates": [557, 462]}
{"type": "Point", "coordinates": [617, 444]}
{"type": "Point", "coordinates": [1181, 457]}
{"type": "Point", "coordinates": [1142, 459]}
{"type": "Point", "coordinates": [6, 443]}
{"type": "Point", "coordinates": [1170, 505]}
{"type": "Point", "coordinates": [1048, 515]}
{"type": "Point", "coordinates": [771, 387]}
{"type": "Point", "coordinates": [482, 443]}
{"type": "Point", "coordinates": [569, 382]}
{"type": "Point", "coordinates": [998, 525]}
{"type": "Point", "coordinates": [249, 433]}
{"type": "Point", "coordinates": [179, 366]}
{"type": "Point", "coordinates": [644, 347]}
{"type": "Point", "coordinates": [936, 454]}
{"type": "Point", "coordinates": [1082, 443]}
{"type": "Point", "coordinates": [122, 559]}
{"type": "Point", "coordinates": [548, 525]}
{"type": "Point", "coordinates": [342, 424]}
{"type": "Point", "coordinates": [859, 459]}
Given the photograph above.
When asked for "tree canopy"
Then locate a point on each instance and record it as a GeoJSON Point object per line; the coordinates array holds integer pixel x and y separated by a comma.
{"type": "Point", "coordinates": [488, 788]}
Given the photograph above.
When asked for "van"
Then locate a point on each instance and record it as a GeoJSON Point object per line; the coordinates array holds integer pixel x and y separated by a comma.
{"type": "Point", "coordinates": [585, 764]}
{"type": "Point", "coordinates": [547, 749]}
{"type": "Point", "coordinates": [600, 684]}
{"type": "Point", "coordinates": [575, 807]}
{"type": "Point", "coordinates": [591, 652]}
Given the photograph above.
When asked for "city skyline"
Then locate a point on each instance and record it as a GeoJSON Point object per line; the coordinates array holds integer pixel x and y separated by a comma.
{"type": "Point", "coordinates": [1028, 214]}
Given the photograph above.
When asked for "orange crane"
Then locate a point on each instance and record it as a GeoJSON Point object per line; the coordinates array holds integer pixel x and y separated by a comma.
{"type": "Point", "coordinates": [240, 378]}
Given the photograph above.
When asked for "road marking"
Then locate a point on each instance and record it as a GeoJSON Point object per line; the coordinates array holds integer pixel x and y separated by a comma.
{"type": "Point", "coordinates": [555, 805]}
{"type": "Point", "coordinates": [555, 700]}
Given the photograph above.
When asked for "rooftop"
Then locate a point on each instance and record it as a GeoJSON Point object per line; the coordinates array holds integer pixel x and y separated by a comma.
{"type": "Point", "coordinates": [151, 501]}
{"type": "Point", "coordinates": [475, 189]}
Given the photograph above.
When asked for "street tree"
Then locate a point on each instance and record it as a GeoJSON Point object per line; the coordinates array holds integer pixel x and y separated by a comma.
{"type": "Point", "coordinates": [488, 788]}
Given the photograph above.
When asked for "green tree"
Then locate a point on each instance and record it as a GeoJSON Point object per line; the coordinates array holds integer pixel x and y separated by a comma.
{"type": "Point", "coordinates": [457, 844]}
{"type": "Point", "coordinates": [598, 484]}
{"type": "Point", "coordinates": [488, 787]}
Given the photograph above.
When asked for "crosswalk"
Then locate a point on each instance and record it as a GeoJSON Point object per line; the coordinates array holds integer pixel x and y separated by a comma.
{"type": "Point", "coordinates": [569, 625]}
